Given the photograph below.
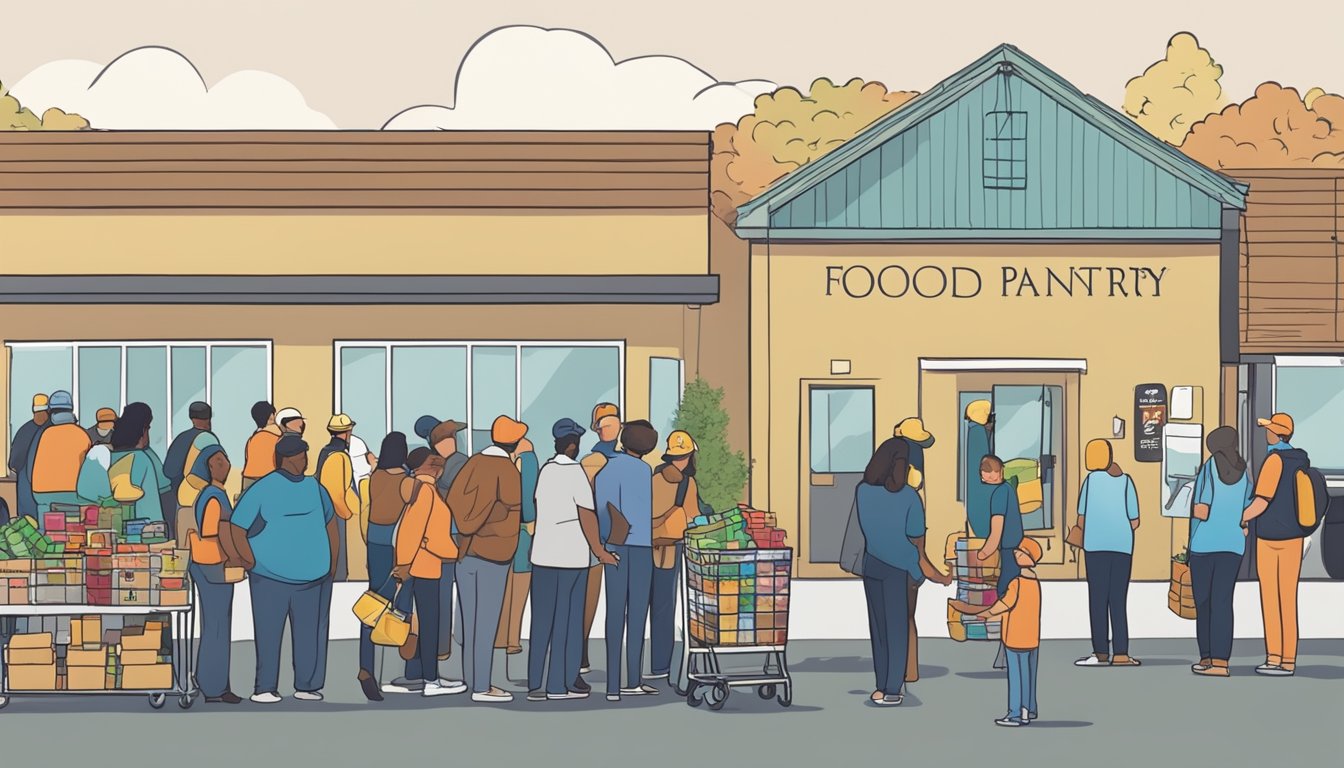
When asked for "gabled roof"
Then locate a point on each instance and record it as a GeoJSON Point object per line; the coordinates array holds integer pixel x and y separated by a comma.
{"type": "Point", "coordinates": [755, 214]}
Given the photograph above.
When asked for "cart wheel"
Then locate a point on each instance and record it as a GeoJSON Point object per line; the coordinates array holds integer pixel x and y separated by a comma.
{"type": "Point", "coordinates": [719, 697]}
{"type": "Point", "coordinates": [786, 698]}
{"type": "Point", "coordinates": [157, 700]}
{"type": "Point", "coordinates": [693, 700]}
{"type": "Point", "coordinates": [4, 702]}
{"type": "Point", "coordinates": [186, 701]}
{"type": "Point", "coordinates": [766, 692]}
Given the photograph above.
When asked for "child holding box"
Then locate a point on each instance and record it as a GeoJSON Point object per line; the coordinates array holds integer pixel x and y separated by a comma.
{"type": "Point", "coordinates": [1020, 606]}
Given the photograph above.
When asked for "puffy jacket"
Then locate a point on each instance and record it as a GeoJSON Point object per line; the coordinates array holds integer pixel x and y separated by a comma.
{"type": "Point", "coordinates": [675, 502]}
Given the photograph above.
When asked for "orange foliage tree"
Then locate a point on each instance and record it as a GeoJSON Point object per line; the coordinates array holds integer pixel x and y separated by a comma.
{"type": "Point", "coordinates": [789, 130]}
{"type": "Point", "coordinates": [1275, 128]}
{"type": "Point", "coordinates": [16, 117]}
{"type": "Point", "coordinates": [1176, 92]}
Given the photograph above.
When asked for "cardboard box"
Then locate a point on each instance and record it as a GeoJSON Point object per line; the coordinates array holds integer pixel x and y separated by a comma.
{"type": "Point", "coordinates": [131, 579]}
{"type": "Point", "coordinates": [24, 656]}
{"type": "Point", "coordinates": [147, 677]}
{"type": "Point", "coordinates": [149, 640]}
{"type": "Point", "coordinates": [16, 565]}
{"type": "Point", "coordinates": [32, 677]}
{"type": "Point", "coordinates": [173, 562]}
{"type": "Point", "coordinates": [32, 640]}
{"type": "Point", "coordinates": [86, 631]}
{"type": "Point", "coordinates": [79, 657]}
{"type": "Point", "coordinates": [130, 562]}
{"type": "Point", "coordinates": [173, 597]}
{"type": "Point", "coordinates": [85, 679]}
{"type": "Point", "coordinates": [136, 658]}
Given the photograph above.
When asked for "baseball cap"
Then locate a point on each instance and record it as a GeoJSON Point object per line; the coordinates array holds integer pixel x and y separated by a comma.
{"type": "Point", "coordinates": [1280, 424]}
{"type": "Point", "coordinates": [602, 411]}
{"type": "Point", "coordinates": [444, 430]}
{"type": "Point", "coordinates": [62, 400]}
{"type": "Point", "coordinates": [287, 414]}
{"type": "Point", "coordinates": [199, 410]}
{"type": "Point", "coordinates": [106, 416]}
{"type": "Point", "coordinates": [506, 430]}
{"type": "Point", "coordinates": [39, 403]}
{"type": "Point", "coordinates": [1031, 548]}
{"type": "Point", "coordinates": [567, 428]}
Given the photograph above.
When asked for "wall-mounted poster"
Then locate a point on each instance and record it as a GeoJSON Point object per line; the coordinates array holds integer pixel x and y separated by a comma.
{"type": "Point", "coordinates": [1150, 416]}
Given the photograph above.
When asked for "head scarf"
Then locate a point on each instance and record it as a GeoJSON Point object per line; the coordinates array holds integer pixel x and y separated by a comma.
{"type": "Point", "coordinates": [201, 468]}
{"type": "Point", "coordinates": [1222, 444]}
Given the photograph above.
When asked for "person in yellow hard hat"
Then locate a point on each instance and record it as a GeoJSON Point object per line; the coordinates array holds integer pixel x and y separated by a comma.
{"type": "Point", "coordinates": [979, 431]}
{"type": "Point", "coordinates": [675, 502]}
{"type": "Point", "coordinates": [19, 451]}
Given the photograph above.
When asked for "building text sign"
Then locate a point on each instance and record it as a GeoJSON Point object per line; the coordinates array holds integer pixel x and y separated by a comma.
{"type": "Point", "coordinates": [952, 282]}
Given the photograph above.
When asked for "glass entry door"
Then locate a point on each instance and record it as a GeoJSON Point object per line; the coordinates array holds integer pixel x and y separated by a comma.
{"type": "Point", "coordinates": [1027, 432]}
{"type": "Point", "coordinates": [840, 443]}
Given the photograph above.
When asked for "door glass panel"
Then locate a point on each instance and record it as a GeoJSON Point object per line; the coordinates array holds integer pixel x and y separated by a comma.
{"type": "Point", "coordinates": [494, 391]}
{"type": "Point", "coordinates": [566, 382]}
{"type": "Point", "coordinates": [188, 364]}
{"type": "Point", "coordinates": [425, 381]}
{"type": "Point", "coordinates": [963, 429]}
{"type": "Point", "coordinates": [147, 382]}
{"type": "Point", "coordinates": [841, 440]}
{"type": "Point", "coordinates": [237, 381]}
{"type": "Point", "coordinates": [99, 382]}
{"type": "Point", "coordinates": [364, 393]}
{"type": "Point", "coordinates": [36, 370]}
{"type": "Point", "coordinates": [1027, 430]}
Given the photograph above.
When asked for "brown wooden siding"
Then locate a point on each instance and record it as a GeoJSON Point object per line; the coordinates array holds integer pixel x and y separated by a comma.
{"type": "Point", "coordinates": [158, 171]}
{"type": "Point", "coordinates": [1292, 264]}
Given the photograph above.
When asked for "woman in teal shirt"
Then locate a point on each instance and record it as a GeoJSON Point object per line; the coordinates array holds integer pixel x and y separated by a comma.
{"type": "Point", "coordinates": [136, 473]}
{"type": "Point", "coordinates": [1217, 544]}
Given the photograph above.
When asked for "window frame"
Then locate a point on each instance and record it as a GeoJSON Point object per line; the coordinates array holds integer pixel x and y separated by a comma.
{"type": "Point", "coordinates": [812, 390]}
{"type": "Point", "coordinates": [387, 346]}
{"type": "Point", "coordinates": [1016, 178]}
{"type": "Point", "coordinates": [1303, 362]}
{"type": "Point", "coordinates": [681, 384]}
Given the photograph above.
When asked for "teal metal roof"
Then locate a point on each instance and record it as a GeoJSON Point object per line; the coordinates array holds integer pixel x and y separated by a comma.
{"type": "Point", "coordinates": [1005, 148]}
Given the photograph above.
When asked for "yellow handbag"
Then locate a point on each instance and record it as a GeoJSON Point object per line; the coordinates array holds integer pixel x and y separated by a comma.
{"type": "Point", "coordinates": [393, 629]}
{"type": "Point", "coordinates": [371, 605]}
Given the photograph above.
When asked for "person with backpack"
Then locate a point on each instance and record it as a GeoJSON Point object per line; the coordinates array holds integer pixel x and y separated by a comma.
{"type": "Point", "coordinates": [1289, 503]}
{"type": "Point", "coordinates": [1222, 493]}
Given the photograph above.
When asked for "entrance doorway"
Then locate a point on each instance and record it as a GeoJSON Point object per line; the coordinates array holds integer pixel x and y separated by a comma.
{"type": "Point", "coordinates": [837, 444]}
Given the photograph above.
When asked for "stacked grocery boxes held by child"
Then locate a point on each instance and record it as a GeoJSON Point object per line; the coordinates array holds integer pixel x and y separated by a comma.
{"type": "Point", "coordinates": [976, 586]}
{"type": "Point", "coordinates": [79, 654]}
{"type": "Point", "coordinates": [737, 574]}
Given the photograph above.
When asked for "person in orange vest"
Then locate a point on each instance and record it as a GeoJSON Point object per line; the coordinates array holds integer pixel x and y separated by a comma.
{"type": "Point", "coordinates": [58, 455]}
{"type": "Point", "coordinates": [260, 452]}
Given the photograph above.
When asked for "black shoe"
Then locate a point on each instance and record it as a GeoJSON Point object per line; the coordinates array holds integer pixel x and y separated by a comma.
{"type": "Point", "coordinates": [581, 685]}
{"type": "Point", "coordinates": [370, 688]}
{"type": "Point", "coordinates": [228, 697]}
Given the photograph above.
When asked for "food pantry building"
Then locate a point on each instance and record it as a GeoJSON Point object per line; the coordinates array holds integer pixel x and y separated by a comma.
{"type": "Point", "coordinates": [383, 274]}
{"type": "Point", "coordinates": [1003, 237]}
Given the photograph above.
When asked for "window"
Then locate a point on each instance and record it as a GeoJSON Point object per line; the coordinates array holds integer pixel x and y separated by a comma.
{"type": "Point", "coordinates": [842, 430]}
{"type": "Point", "coordinates": [1005, 159]}
{"type": "Point", "coordinates": [1314, 396]}
{"type": "Point", "coordinates": [537, 382]}
{"type": "Point", "coordinates": [166, 376]}
{"type": "Point", "coordinates": [666, 383]}
{"type": "Point", "coordinates": [963, 430]}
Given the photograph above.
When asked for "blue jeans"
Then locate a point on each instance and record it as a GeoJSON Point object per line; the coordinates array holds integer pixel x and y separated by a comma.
{"type": "Point", "coordinates": [415, 667]}
{"type": "Point", "coordinates": [212, 656]}
{"type": "Point", "coordinates": [887, 590]}
{"type": "Point", "coordinates": [323, 631]}
{"type": "Point", "coordinates": [1108, 598]}
{"type": "Point", "coordinates": [274, 603]}
{"type": "Point", "coordinates": [629, 589]}
{"type": "Point", "coordinates": [447, 584]}
{"type": "Point", "coordinates": [1022, 682]}
{"type": "Point", "coordinates": [1213, 578]}
{"type": "Point", "coordinates": [663, 616]}
{"type": "Point", "coordinates": [380, 569]}
{"type": "Point", "coordinates": [577, 645]}
{"type": "Point", "coordinates": [553, 592]}
{"type": "Point", "coordinates": [480, 587]}
{"type": "Point", "coordinates": [425, 593]}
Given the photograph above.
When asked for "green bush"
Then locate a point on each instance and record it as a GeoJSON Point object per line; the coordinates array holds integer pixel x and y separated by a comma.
{"type": "Point", "coordinates": [721, 473]}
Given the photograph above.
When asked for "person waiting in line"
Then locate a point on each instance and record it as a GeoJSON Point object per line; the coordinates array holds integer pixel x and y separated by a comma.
{"type": "Point", "coordinates": [676, 501]}
{"type": "Point", "coordinates": [385, 510]}
{"type": "Point", "coordinates": [979, 442]}
{"type": "Point", "coordinates": [891, 516]}
{"type": "Point", "coordinates": [423, 542]}
{"type": "Point", "coordinates": [20, 450]}
{"type": "Point", "coordinates": [625, 489]}
{"type": "Point", "coordinates": [58, 454]}
{"type": "Point", "coordinates": [260, 452]}
{"type": "Point", "coordinates": [1005, 530]}
{"type": "Point", "coordinates": [1279, 544]}
{"type": "Point", "coordinates": [1020, 606]}
{"type": "Point", "coordinates": [606, 423]}
{"type": "Point", "coordinates": [290, 524]}
{"type": "Point", "coordinates": [336, 474]}
{"type": "Point", "coordinates": [486, 500]}
{"type": "Point", "coordinates": [362, 462]}
{"type": "Point", "coordinates": [101, 431]}
{"type": "Point", "coordinates": [566, 537]}
{"type": "Point", "coordinates": [1217, 544]}
{"type": "Point", "coordinates": [216, 550]}
{"type": "Point", "coordinates": [917, 439]}
{"type": "Point", "coordinates": [291, 421]}
{"type": "Point", "coordinates": [136, 475]}
{"type": "Point", "coordinates": [177, 463]}
{"type": "Point", "coordinates": [1108, 512]}
{"type": "Point", "coordinates": [510, 634]}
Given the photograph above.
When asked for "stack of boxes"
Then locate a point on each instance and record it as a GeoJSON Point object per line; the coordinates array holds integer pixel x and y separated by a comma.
{"type": "Point", "coordinates": [82, 654]}
{"type": "Point", "coordinates": [86, 658]}
{"type": "Point", "coordinates": [142, 665]}
{"type": "Point", "coordinates": [30, 662]}
{"type": "Point", "coordinates": [763, 528]}
{"type": "Point", "coordinates": [976, 585]}
{"type": "Point", "coordinates": [739, 598]}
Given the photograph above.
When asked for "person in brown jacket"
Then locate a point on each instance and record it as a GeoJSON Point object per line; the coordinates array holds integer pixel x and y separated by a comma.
{"type": "Point", "coordinates": [607, 426]}
{"type": "Point", "coordinates": [487, 502]}
{"type": "Point", "coordinates": [675, 503]}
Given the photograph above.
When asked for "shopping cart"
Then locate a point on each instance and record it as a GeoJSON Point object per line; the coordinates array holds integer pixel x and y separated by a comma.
{"type": "Point", "coordinates": [735, 602]}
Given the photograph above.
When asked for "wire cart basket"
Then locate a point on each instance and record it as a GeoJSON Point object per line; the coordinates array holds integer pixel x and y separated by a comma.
{"type": "Point", "coordinates": [735, 602]}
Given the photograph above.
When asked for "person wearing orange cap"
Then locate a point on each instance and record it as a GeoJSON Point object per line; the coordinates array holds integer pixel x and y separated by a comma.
{"type": "Point", "coordinates": [1279, 543]}
{"type": "Point", "coordinates": [1020, 607]}
{"type": "Point", "coordinates": [101, 432]}
{"type": "Point", "coordinates": [486, 501]}
{"type": "Point", "coordinates": [19, 450]}
{"type": "Point", "coordinates": [606, 424]}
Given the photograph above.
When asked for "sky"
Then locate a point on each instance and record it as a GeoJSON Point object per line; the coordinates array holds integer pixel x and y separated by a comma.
{"type": "Point", "coordinates": [356, 64]}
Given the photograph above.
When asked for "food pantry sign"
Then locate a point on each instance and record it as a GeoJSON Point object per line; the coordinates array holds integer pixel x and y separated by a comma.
{"type": "Point", "coordinates": [953, 282]}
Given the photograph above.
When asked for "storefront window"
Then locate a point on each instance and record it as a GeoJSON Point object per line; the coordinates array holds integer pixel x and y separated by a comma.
{"type": "Point", "coordinates": [147, 382]}
{"type": "Point", "coordinates": [560, 382]}
{"type": "Point", "coordinates": [363, 395]}
{"type": "Point", "coordinates": [99, 381]}
{"type": "Point", "coordinates": [189, 377]}
{"type": "Point", "coordinates": [33, 370]}
{"type": "Point", "coordinates": [238, 378]}
{"type": "Point", "coordinates": [1314, 397]}
{"type": "Point", "coordinates": [494, 389]}
{"type": "Point", "coordinates": [425, 381]}
{"type": "Point", "coordinates": [665, 388]}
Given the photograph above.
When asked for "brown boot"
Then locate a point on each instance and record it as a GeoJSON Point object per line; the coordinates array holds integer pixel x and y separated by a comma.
{"type": "Point", "coordinates": [1216, 668]}
{"type": "Point", "coordinates": [409, 650]}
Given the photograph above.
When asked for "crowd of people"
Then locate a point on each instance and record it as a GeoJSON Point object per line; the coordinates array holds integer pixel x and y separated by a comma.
{"type": "Point", "coordinates": [497, 529]}
{"type": "Point", "coordinates": [502, 528]}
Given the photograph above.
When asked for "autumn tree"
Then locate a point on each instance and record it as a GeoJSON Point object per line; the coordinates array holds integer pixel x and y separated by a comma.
{"type": "Point", "coordinates": [789, 130]}
{"type": "Point", "coordinates": [1175, 93]}
{"type": "Point", "coordinates": [16, 117]}
{"type": "Point", "coordinates": [1275, 128]}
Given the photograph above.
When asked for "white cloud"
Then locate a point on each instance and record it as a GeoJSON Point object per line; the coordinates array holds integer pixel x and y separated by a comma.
{"type": "Point", "coordinates": [558, 79]}
{"type": "Point", "coordinates": [158, 88]}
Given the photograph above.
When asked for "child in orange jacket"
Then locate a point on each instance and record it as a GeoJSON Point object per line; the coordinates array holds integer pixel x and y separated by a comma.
{"type": "Point", "coordinates": [1020, 606]}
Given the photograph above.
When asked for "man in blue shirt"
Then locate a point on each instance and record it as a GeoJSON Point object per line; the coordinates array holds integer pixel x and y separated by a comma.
{"type": "Point", "coordinates": [290, 524]}
{"type": "Point", "coordinates": [625, 485]}
{"type": "Point", "coordinates": [1005, 530]}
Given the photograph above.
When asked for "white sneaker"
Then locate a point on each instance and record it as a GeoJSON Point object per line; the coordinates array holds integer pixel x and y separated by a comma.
{"type": "Point", "coordinates": [613, 697]}
{"type": "Point", "coordinates": [643, 690]}
{"type": "Point", "coordinates": [1090, 661]}
{"type": "Point", "coordinates": [402, 685]}
{"type": "Point", "coordinates": [570, 696]}
{"type": "Point", "coordinates": [443, 687]}
{"type": "Point", "coordinates": [492, 696]}
{"type": "Point", "coordinates": [309, 695]}
{"type": "Point", "coordinates": [585, 670]}
{"type": "Point", "coordinates": [266, 698]}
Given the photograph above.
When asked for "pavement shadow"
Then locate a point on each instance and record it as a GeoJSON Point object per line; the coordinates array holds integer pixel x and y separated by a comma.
{"type": "Point", "coordinates": [987, 675]}
{"type": "Point", "coordinates": [1320, 672]}
{"type": "Point", "coordinates": [835, 664]}
{"type": "Point", "coordinates": [1060, 724]}
{"type": "Point", "coordinates": [932, 673]}
{"type": "Point", "coordinates": [1166, 663]}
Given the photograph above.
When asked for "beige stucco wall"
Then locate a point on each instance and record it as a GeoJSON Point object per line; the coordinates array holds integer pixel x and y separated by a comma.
{"type": "Point", "coordinates": [797, 330]}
